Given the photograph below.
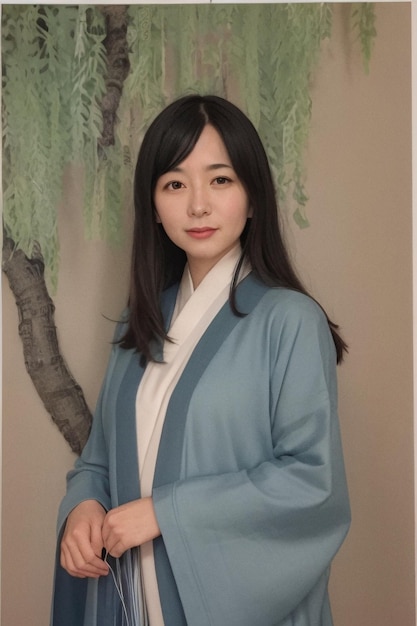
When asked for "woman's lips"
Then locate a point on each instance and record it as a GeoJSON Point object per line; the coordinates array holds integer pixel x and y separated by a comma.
{"type": "Point", "coordinates": [201, 233]}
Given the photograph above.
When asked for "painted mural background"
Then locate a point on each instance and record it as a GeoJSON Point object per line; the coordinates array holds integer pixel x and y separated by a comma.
{"type": "Point", "coordinates": [356, 257]}
{"type": "Point", "coordinates": [80, 85]}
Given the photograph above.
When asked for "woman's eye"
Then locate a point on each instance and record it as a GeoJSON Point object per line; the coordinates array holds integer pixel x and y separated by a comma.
{"type": "Point", "coordinates": [221, 180]}
{"type": "Point", "coordinates": [175, 184]}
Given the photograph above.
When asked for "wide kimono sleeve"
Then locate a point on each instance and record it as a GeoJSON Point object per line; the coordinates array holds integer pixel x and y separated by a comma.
{"type": "Point", "coordinates": [89, 479]}
{"type": "Point", "coordinates": [254, 546]}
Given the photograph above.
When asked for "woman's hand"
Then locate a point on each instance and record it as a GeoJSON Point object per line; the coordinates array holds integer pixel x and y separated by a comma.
{"type": "Point", "coordinates": [130, 525]}
{"type": "Point", "coordinates": [82, 542]}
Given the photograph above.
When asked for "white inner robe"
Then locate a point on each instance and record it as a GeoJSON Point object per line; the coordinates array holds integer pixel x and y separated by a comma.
{"type": "Point", "coordinates": [194, 311]}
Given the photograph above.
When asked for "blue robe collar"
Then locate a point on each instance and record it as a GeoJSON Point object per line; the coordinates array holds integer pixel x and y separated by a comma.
{"type": "Point", "coordinates": [248, 294]}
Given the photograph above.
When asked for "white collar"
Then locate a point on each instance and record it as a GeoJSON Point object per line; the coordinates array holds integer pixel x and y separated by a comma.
{"type": "Point", "coordinates": [213, 283]}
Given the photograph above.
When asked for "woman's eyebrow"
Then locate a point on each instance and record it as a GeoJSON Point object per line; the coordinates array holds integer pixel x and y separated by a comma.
{"type": "Point", "coordinates": [209, 168]}
{"type": "Point", "coordinates": [218, 166]}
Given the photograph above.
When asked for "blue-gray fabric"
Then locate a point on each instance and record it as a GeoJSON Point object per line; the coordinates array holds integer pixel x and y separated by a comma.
{"type": "Point", "coordinates": [249, 489]}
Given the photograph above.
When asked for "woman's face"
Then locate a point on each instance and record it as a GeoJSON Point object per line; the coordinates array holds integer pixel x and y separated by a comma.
{"type": "Point", "coordinates": [202, 205]}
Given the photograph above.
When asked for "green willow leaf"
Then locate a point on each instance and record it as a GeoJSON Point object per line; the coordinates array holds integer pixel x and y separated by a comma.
{"type": "Point", "coordinates": [261, 56]}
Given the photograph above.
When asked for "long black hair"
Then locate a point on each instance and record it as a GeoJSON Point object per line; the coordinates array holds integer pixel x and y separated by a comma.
{"type": "Point", "coordinates": [156, 261]}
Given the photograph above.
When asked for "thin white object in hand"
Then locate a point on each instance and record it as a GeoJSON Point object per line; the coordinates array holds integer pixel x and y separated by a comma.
{"type": "Point", "coordinates": [119, 589]}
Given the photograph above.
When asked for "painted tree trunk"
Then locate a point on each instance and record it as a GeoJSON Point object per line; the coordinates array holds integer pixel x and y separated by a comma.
{"type": "Point", "coordinates": [60, 393]}
{"type": "Point", "coordinates": [118, 67]}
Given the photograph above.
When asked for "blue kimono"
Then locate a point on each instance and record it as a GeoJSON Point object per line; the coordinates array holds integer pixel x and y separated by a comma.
{"type": "Point", "coordinates": [249, 488]}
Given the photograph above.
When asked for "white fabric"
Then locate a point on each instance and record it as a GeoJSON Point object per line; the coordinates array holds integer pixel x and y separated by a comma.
{"type": "Point", "coordinates": [194, 311]}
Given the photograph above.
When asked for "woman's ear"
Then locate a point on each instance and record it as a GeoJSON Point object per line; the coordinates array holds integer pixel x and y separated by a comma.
{"type": "Point", "coordinates": [158, 219]}
{"type": "Point", "coordinates": [250, 212]}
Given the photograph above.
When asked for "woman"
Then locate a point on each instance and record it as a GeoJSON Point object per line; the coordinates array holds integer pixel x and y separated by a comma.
{"type": "Point", "coordinates": [213, 481]}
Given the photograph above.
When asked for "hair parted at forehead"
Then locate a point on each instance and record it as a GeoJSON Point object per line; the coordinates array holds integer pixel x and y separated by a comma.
{"type": "Point", "coordinates": [175, 131]}
{"type": "Point", "coordinates": [156, 261]}
{"type": "Point", "coordinates": [170, 139]}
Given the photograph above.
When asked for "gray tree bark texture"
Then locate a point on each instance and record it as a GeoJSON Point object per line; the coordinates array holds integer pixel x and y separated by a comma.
{"type": "Point", "coordinates": [118, 66]}
{"type": "Point", "coordinates": [60, 393]}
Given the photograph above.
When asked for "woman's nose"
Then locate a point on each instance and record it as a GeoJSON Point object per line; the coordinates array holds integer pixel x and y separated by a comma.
{"type": "Point", "coordinates": [198, 203]}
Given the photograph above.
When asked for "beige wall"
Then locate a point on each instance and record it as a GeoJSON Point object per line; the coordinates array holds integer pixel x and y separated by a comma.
{"type": "Point", "coordinates": [359, 259]}
{"type": "Point", "coordinates": [356, 256]}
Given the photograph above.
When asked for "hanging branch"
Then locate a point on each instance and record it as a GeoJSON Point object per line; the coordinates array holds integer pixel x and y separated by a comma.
{"type": "Point", "coordinates": [118, 67]}
{"type": "Point", "coordinates": [363, 22]}
{"type": "Point", "coordinates": [44, 44]}
{"type": "Point", "coordinates": [58, 390]}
